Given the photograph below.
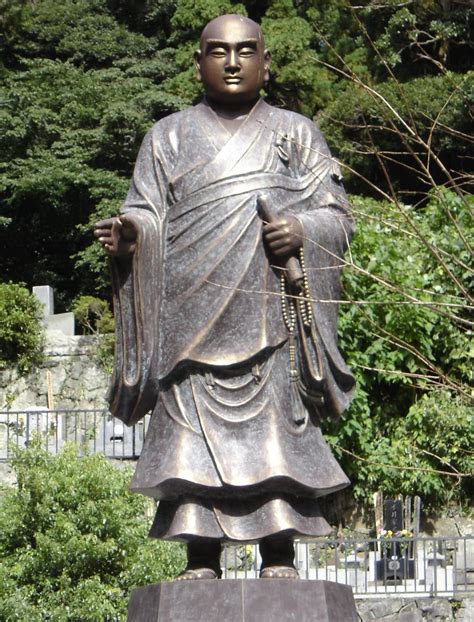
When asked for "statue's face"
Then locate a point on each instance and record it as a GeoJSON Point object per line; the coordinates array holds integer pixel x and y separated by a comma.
{"type": "Point", "coordinates": [232, 63]}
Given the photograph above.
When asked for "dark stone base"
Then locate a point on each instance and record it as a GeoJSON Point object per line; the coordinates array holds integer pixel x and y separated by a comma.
{"type": "Point", "coordinates": [250, 600]}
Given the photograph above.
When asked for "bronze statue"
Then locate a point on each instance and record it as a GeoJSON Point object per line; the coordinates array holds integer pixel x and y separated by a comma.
{"type": "Point", "coordinates": [226, 258]}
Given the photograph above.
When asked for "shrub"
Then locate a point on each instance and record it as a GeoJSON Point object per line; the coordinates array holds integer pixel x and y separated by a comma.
{"type": "Point", "coordinates": [73, 540]}
{"type": "Point", "coordinates": [21, 331]}
{"type": "Point", "coordinates": [94, 315]}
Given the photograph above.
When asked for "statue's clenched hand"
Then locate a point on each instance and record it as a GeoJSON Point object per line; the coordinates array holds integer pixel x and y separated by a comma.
{"type": "Point", "coordinates": [117, 235]}
{"type": "Point", "coordinates": [284, 235]}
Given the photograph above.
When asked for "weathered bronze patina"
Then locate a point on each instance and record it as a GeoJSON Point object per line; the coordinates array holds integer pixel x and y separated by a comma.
{"type": "Point", "coordinates": [236, 215]}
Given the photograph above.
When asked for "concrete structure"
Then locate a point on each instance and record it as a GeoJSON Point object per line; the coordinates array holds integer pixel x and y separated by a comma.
{"type": "Point", "coordinates": [61, 322]}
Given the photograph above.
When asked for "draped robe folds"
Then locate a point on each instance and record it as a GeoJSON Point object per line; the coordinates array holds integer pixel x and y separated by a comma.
{"type": "Point", "coordinates": [200, 335]}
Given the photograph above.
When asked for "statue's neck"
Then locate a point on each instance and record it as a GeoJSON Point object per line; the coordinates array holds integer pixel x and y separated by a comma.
{"type": "Point", "coordinates": [231, 117]}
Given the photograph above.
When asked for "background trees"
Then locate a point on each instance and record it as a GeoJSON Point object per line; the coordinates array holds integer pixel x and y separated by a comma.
{"type": "Point", "coordinates": [389, 82]}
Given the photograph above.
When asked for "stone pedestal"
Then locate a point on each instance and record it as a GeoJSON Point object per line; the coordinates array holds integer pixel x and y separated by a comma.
{"type": "Point", "coordinates": [234, 600]}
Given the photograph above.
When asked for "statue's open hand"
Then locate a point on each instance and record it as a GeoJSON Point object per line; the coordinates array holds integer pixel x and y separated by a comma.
{"type": "Point", "coordinates": [117, 235]}
{"type": "Point", "coordinates": [283, 236]}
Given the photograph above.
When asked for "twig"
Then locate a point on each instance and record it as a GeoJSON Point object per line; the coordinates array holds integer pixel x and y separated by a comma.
{"type": "Point", "coordinates": [393, 371]}
{"type": "Point", "coordinates": [398, 467]}
{"type": "Point", "coordinates": [430, 453]}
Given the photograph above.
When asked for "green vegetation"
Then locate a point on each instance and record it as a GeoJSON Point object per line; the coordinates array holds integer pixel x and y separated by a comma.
{"type": "Point", "coordinates": [389, 82]}
{"type": "Point", "coordinates": [434, 118]}
{"type": "Point", "coordinates": [409, 341]}
{"type": "Point", "coordinates": [93, 315]}
{"type": "Point", "coordinates": [21, 331]}
{"type": "Point", "coordinates": [74, 541]}
{"type": "Point", "coordinates": [95, 318]}
{"type": "Point", "coordinates": [81, 82]}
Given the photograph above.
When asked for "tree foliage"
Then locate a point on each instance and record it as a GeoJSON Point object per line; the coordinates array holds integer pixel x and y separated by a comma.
{"type": "Point", "coordinates": [95, 318]}
{"type": "Point", "coordinates": [389, 139]}
{"type": "Point", "coordinates": [93, 315]}
{"type": "Point", "coordinates": [408, 337]}
{"type": "Point", "coordinates": [73, 540]}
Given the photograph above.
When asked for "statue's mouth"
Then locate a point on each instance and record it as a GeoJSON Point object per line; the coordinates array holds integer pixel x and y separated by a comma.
{"type": "Point", "coordinates": [232, 80]}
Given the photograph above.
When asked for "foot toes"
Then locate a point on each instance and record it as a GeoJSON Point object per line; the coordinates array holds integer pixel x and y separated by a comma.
{"type": "Point", "coordinates": [196, 574]}
{"type": "Point", "coordinates": [279, 572]}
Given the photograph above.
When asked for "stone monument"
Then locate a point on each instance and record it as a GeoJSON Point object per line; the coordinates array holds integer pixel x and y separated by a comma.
{"type": "Point", "coordinates": [226, 259]}
{"type": "Point", "coordinates": [54, 322]}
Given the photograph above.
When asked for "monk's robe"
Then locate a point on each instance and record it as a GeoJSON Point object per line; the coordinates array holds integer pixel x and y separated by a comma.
{"type": "Point", "coordinates": [232, 451]}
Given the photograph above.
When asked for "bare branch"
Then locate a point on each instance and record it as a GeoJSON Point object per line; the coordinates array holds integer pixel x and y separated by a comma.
{"type": "Point", "coordinates": [387, 465]}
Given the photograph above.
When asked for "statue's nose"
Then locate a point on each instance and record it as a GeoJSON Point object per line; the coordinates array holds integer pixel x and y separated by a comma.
{"type": "Point", "coordinates": [233, 63]}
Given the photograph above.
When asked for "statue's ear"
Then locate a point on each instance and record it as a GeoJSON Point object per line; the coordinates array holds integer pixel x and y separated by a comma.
{"type": "Point", "coordinates": [197, 60]}
{"type": "Point", "coordinates": [267, 61]}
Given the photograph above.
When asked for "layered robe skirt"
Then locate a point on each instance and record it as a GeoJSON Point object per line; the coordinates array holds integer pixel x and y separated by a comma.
{"type": "Point", "coordinates": [227, 460]}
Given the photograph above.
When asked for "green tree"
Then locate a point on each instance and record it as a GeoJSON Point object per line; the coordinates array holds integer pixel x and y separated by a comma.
{"type": "Point", "coordinates": [79, 90]}
{"type": "Point", "coordinates": [406, 137]}
{"type": "Point", "coordinates": [84, 80]}
{"type": "Point", "coordinates": [73, 540]}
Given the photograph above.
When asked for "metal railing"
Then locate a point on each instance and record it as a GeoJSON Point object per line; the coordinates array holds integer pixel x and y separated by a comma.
{"type": "Point", "coordinates": [95, 430]}
{"type": "Point", "coordinates": [390, 567]}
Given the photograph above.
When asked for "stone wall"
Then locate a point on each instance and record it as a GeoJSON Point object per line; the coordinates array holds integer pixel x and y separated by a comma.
{"type": "Point", "coordinates": [416, 610]}
{"type": "Point", "coordinates": [77, 382]}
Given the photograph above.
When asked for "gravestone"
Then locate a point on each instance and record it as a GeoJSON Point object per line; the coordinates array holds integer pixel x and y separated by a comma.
{"type": "Point", "coordinates": [45, 295]}
{"type": "Point", "coordinates": [387, 515]}
{"type": "Point", "coordinates": [393, 515]}
{"type": "Point", "coordinates": [395, 563]}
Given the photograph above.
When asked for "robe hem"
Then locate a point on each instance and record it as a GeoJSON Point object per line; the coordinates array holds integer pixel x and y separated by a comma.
{"type": "Point", "coordinates": [164, 490]}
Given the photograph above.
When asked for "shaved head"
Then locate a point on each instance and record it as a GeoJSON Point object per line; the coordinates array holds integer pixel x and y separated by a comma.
{"type": "Point", "coordinates": [215, 27]}
{"type": "Point", "coordinates": [232, 62]}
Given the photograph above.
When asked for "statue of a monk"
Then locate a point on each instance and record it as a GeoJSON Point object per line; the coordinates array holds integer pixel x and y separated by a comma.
{"type": "Point", "coordinates": [226, 260]}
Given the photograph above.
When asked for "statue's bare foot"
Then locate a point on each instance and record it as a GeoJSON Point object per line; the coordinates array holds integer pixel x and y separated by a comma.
{"type": "Point", "coordinates": [279, 572]}
{"type": "Point", "coordinates": [196, 574]}
{"type": "Point", "coordinates": [203, 561]}
{"type": "Point", "coordinates": [278, 556]}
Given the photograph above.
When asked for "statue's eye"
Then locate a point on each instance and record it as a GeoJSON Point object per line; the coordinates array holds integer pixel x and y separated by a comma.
{"type": "Point", "coordinates": [218, 52]}
{"type": "Point", "coordinates": [247, 52]}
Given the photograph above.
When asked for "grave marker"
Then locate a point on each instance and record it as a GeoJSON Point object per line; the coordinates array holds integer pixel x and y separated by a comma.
{"type": "Point", "coordinates": [393, 515]}
{"type": "Point", "coordinates": [396, 558]}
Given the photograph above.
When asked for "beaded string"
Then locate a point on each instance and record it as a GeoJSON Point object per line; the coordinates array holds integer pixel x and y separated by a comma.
{"type": "Point", "coordinates": [288, 310]}
{"type": "Point", "coordinates": [288, 302]}
{"type": "Point", "coordinates": [304, 302]}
